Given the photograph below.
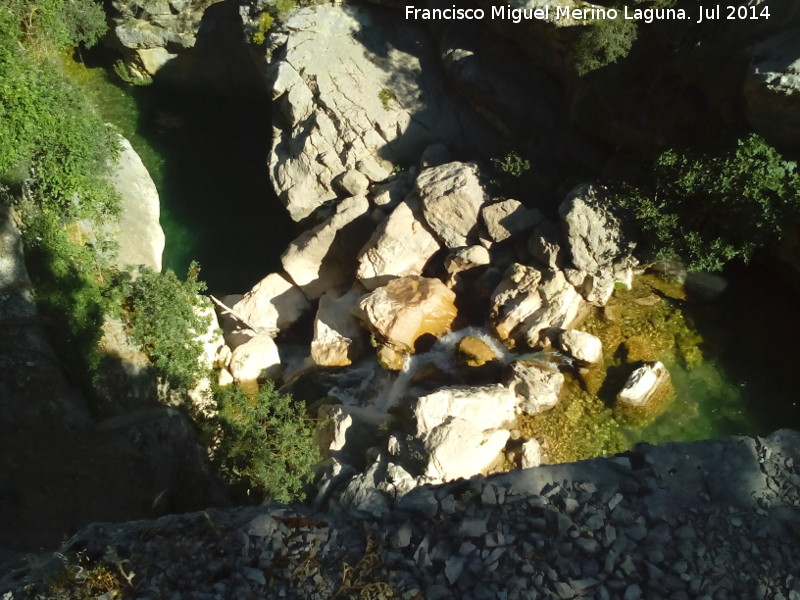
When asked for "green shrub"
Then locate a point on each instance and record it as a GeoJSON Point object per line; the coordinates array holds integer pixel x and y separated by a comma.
{"type": "Point", "coordinates": [604, 42]}
{"type": "Point", "coordinates": [711, 209]}
{"type": "Point", "coordinates": [266, 443]}
{"type": "Point", "coordinates": [162, 315]}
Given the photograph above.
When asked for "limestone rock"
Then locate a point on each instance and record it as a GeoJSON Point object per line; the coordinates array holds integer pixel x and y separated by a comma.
{"type": "Point", "coordinates": [452, 196]}
{"type": "Point", "coordinates": [338, 336]}
{"type": "Point", "coordinates": [645, 394]}
{"type": "Point", "coordinates": [474, 352]}
{"type": "Point", "coordinates": [538, 385]}
{"type": "Point", "coordinates": [545, 246]}
{"type": "Point", "coordinates": [272, 305]}
{"type": "Point", "coordinates": [642, 383]}
{"type": "Point", "coordinates": [138, 231]}
{"type": "Point", "coordinates": [255, 359]}
{"type": "Point", "coordinates": [581, 346]}
{"type": "Point", "coordinates": [595, 236]}
{"type": "Point", "coordinates": [349, 431]}
{"type": "Point", "coordinates": [353, 183]}
{"type": "Point", "coordinates": [509, 217]}
{"type": "Point", "coordinates": [531, 455]}
{"type": "Point", "coordinates": [407, 308]}
{"type": "Point", "coordinates": [772, 89]}
{"type": "Point", "coordinates": [379, 95]}
{"type": "Point", "coordinates": [489, 407]}
{"type": "Point", "coordinates": [459, 448]}
{"type": "Point", "coordinates": [527, 302]}
{"type": "Point", "coordinates": [465, 259]}
{"type": "Point", "coordinates": [374, 490]}
{"type": "Point", "coordinates": [402, 245]}
{"type": "Point", "coordinates": [394, 190]}
{"type": "Point", "coordinates": [324, 256]}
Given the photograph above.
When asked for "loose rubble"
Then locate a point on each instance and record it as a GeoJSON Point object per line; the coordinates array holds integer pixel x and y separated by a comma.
{"type": "Point", "coordinates": [710, 520]}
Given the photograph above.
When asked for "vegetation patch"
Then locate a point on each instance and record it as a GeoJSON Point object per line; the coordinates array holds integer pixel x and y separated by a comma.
{"type": "Point", "coordinates": [163, 316]}
{"type": "Point", "coordinates": [265, 444]}
{"type": "Point", "coordinates": [711, 208]}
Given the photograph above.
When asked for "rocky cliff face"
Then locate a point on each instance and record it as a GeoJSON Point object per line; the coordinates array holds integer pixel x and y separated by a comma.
{"type": "Point", "coordinates": [714, 519]}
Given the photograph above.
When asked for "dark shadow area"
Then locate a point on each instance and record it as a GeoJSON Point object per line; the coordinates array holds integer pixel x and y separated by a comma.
{"type": "Point", "coordinates": [752, 333]}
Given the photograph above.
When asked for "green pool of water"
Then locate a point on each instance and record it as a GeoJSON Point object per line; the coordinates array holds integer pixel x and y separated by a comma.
{"type": "Point", "coordinates": [208, 159]}
{"type": "Point", "coordinates": [746, 382]}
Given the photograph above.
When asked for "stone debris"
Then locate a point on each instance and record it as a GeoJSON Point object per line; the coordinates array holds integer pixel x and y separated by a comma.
{"type": "Point", "coordinates": [595, 529]}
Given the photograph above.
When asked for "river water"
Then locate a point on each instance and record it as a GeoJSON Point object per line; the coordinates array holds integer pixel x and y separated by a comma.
{"type": "Point", "coordinates": [208, 159]}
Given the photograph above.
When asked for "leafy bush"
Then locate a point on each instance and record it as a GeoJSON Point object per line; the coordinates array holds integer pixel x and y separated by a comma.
{"type": "Point", "coordinates": [50, 137]}
{"type": "Point", "coordinates": [711, 209]}
{"type": "Point", "coordinates": [266, 443]}
{"type": "Point", "coordinates": [603, 43]}
{"type": "Point", "coordinates": [162, 314]}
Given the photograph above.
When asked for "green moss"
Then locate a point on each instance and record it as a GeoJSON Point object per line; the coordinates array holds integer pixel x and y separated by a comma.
{"type": "Point", "coordinates": [386, 96]}
{"type": "Point", "coordinates": [580, 426]}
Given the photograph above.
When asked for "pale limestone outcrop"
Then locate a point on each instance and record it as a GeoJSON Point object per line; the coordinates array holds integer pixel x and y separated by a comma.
{"type": "Point", "coordinates": [256, 358]}
{"type": "Point", "coordinates": [401, 245]}
{"type": "Point", "coordinates": [138, 231]}
{"type": "Point", "coordinates": [581, 346]}
{"type": "Point", "coordinates": [406, 309]}
{"type": "Point", "coordinates": [338, 336]}
{"type": "Point", "coordinates": [324, 257]}
{"type": "Point", "coordinates": [272, 305]}
{"type": "Point", "coordinates": [531, 454]}
{"type": "Point", "coordinates": [509, 217]}
{"type": "Point", "coordinates": [459, 448]}
{"type": "Point", "coordinates": [528, 302]}
{"type": "Point", "coordinates": [366, 105]}
{"type": "Point", "coordinates": [594, 234]}
{"type": "Point", "coordinates": [452, 196]}
{"type": "Point", "coordinates": [488, 406]}
{"type": "Point", "coordinates": [536, 383]}
{"type": "Point", "coordinates": [599, 244]}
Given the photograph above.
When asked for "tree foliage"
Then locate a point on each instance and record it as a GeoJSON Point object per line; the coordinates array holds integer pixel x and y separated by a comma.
{"type": "Point", "coordinates": [266, 443]}
{"type": "Point", "coordinates": [163, 315]}
{"type": "Point", "coordinates": [50, 137]}
{"type": "Point", "coordinates": [711, 209]}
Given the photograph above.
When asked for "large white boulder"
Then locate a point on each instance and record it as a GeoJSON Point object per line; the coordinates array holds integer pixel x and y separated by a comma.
{"type": "Point", "coordinates": [338, 336]}
{"type": "Point", "coordinates": [324, 257]}
{"type": "Point", "coordinates": [509, 217]}
{"type": "Point", "coordinates": [255, 359]}
{"type": "Point", "coordinates": [594, 234]}
{"type": "Point", "coordinates": [458, 448]}
{"type": "Point", "coordinates": [272, 305]}
{"type": "Point", "coordinates": [407, 308]}
{"type": "Point", "coordinates": [581, 346]}
{"type": "Point", "coordinates": [401, 245]}
{"type": "Point", "coordinates": [489, 406]}
{"type": "Point", "coordinates": [452, 196]}
{"type": "Point", "coordinates": [137, 231]}
{"type": "Point", "coordinates": [537, 384]}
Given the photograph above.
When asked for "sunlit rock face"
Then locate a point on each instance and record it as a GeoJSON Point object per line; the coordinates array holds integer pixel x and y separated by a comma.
{"type": "Point", "coordinates": [378, 100]}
